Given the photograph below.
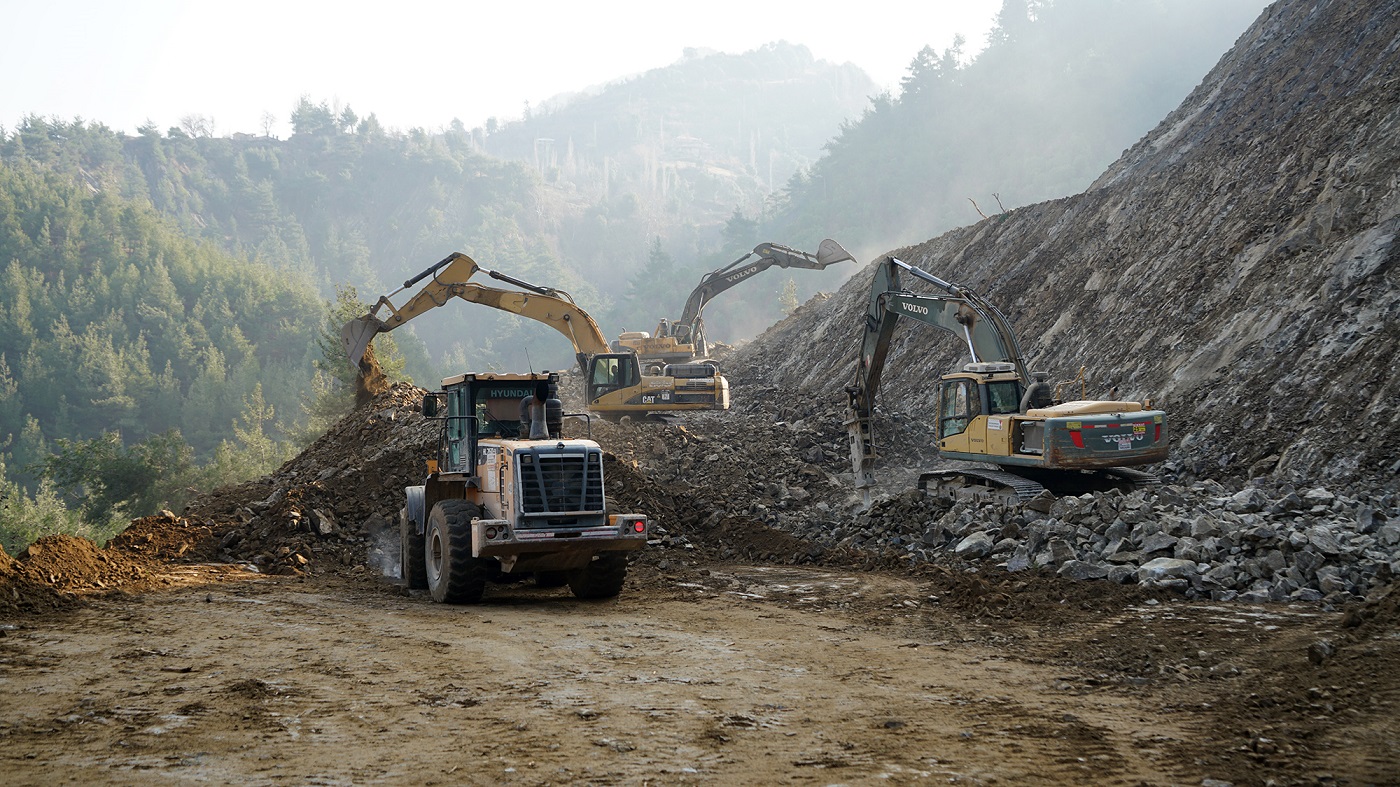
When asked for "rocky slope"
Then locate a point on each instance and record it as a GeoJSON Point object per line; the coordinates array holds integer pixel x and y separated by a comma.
{"type": "Point", "coordinates": [1238, 265]}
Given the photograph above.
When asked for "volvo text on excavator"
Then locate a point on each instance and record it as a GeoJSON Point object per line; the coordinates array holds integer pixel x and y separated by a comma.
{"type": "Point", "coordinates": [995, 411]}
{"type": "Point", "coordinates": [614, 385]}
{"type": "Point", "coordinates": [683, 340]}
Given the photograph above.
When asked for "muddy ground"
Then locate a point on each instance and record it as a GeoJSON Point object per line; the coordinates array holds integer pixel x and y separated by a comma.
{"type": "Point", "coordinates": [735, 673]}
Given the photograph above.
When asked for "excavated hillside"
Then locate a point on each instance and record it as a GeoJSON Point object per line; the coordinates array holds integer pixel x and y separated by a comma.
{"type": "Point", "coordinates": [1239, 265]}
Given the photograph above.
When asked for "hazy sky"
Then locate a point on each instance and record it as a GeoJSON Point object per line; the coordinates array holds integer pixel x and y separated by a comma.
{"type": "Point", "coordinates": [412, 63]}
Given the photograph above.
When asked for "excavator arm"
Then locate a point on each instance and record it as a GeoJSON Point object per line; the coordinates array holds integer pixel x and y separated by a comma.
{"type": "Point", "coordinates": [959, 311]}
{"type": "Point", "coordinates": [769, 254]}
{"type": "Point", "coordinates": [450, 279]}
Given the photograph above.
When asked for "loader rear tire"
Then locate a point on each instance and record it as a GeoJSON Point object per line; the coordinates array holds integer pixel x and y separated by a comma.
{"type": "Point", "coordinates": [412, 569]}
{"type": "Point", "coordinates": [601, 578]}
{"type": "Point", "coordinates": [454, 576]}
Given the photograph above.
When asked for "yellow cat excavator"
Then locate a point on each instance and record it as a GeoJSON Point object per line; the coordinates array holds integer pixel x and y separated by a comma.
{"type": "Point", "coordinates": [614, 385]}
{"type": "Point", "coordinates": [683, 340]}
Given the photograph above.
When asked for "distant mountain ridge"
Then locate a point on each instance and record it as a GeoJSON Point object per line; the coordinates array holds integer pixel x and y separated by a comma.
{"type": "Point", "coordinates": [668, 154]}
{"type": "Point", "coordinates": [707, 134]}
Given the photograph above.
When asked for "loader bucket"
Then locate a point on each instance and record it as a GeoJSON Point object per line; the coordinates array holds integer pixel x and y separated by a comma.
{"type": "Point", "coordinates": [356, 336]}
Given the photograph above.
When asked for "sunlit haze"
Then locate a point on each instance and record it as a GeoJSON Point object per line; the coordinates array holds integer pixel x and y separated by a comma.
{"type": "Point", "coordinates": [413, 64]}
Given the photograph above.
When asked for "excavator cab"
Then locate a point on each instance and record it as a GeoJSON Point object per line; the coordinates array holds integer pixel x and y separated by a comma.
{"type": "Point", "coordinates": [611, 372]}
{"type": "Point", "coordinates": [967, 398]}
{"type": "Point", "coordinates": [990, 388]}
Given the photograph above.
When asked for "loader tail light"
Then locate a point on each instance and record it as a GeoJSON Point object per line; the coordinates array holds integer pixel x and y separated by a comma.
{"type": "Point", "coordinates": [1078, 438]}
{"type": "Point", "coordinates": [490, 532]}
{"type": "Point", "coordinates": [1157, 433]}
{"type": "Point", "coordinates": [626, 522]}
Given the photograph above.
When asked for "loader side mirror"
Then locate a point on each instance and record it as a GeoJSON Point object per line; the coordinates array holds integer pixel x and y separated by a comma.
{"type": "Point", "coordinates": [430, 406]}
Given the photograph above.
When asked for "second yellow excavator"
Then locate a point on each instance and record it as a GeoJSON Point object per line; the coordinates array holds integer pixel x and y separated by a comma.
{"type": "Point", "coordinates": [614, 385]}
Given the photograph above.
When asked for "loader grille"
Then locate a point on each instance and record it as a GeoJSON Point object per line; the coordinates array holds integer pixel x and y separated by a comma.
{"type": "Point", "coordinates": [564, 483]}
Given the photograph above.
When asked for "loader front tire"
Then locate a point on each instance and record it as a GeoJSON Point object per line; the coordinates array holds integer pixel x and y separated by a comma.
{"type": "Point", "coordinates": [454, 576]}
{"type": "Point", "coordinates": [601, 578]}
{"type": "Point", "coordinates": [412, 569]}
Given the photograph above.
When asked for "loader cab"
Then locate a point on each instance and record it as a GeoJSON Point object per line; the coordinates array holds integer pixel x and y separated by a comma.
{"type": "Point", "coordinates": [474, 407]}
{"type": "Point", "coordinates": [979, 389]}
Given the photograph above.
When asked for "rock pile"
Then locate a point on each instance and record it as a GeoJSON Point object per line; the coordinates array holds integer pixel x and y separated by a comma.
{"type": "Point", "coordinates": [331, 505]}
{"type": "Point", "coordinates": [51, 572]}
{"type": "Point", "coordinates": [1253, 545]}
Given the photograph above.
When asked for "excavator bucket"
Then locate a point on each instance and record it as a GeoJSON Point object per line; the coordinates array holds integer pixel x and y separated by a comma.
{"type": "Point", "coordinates": [356, 336]}
{"type": "Point", "coordinates": [831, 252]}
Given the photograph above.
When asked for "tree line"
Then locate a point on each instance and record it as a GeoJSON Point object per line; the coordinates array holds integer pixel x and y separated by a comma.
{"type": "Point", "coordinates": [135, 362]}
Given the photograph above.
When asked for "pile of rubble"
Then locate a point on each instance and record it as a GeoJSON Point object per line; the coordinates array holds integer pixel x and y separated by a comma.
{"type": "Point", "coordinates": [768, 482]}
{"type": "Point", "coordinates": [51, 572]}
{"type": "Point", "coordinates": [333, 505]}
{"type": "Point", "coordinates": [1251, 545]}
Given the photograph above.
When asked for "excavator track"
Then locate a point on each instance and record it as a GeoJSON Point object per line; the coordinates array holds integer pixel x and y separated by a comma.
{"type": "Point", "coordinates": [981, 485]}
{"type": "Point", "coordinates": [985, 484]}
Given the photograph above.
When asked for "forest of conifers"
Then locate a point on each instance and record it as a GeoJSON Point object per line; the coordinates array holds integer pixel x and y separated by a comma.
{"type": "Point", "coordinates": [170, 299]}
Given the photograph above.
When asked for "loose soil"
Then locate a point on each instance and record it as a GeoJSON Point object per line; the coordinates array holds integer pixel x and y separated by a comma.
{"type": "Point", "coordinates": [707, 672]}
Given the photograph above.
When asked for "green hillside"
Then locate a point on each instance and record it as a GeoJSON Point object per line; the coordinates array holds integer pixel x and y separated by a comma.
{"type": "Point", "coordinates": [127, 342]}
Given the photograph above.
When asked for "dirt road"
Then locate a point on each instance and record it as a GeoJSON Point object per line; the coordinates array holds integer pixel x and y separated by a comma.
{"type": "Point", "coordinates": [727, 674]}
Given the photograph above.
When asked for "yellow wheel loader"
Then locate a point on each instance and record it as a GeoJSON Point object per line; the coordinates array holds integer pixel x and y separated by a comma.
{"type": "Point", "coordinates": [507, 498]}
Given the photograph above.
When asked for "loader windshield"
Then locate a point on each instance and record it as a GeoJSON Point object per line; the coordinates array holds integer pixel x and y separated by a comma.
{"type": "Point", "coordinates": [498, 410]}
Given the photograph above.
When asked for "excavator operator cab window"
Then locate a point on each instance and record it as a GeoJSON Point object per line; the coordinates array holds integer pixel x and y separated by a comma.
{"type": "Point", "coordinates": [959, 403]}
{"type": "Point", "coordinates": [611, 372]}
{"type": "Point", "coordinates": [604, 371]}
{"type": "Point", "coordinates": [1003, 397]}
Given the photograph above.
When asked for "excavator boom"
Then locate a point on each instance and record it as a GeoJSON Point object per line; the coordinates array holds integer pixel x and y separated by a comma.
{"type": "Point", "coordinates": [769, 254]}
{"type": "Point", "coordinates": [684, 338]}
{"type": "Point", "coordinates": [960, 312]}
{"type": "Point", "coordinates": [450, 280]}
